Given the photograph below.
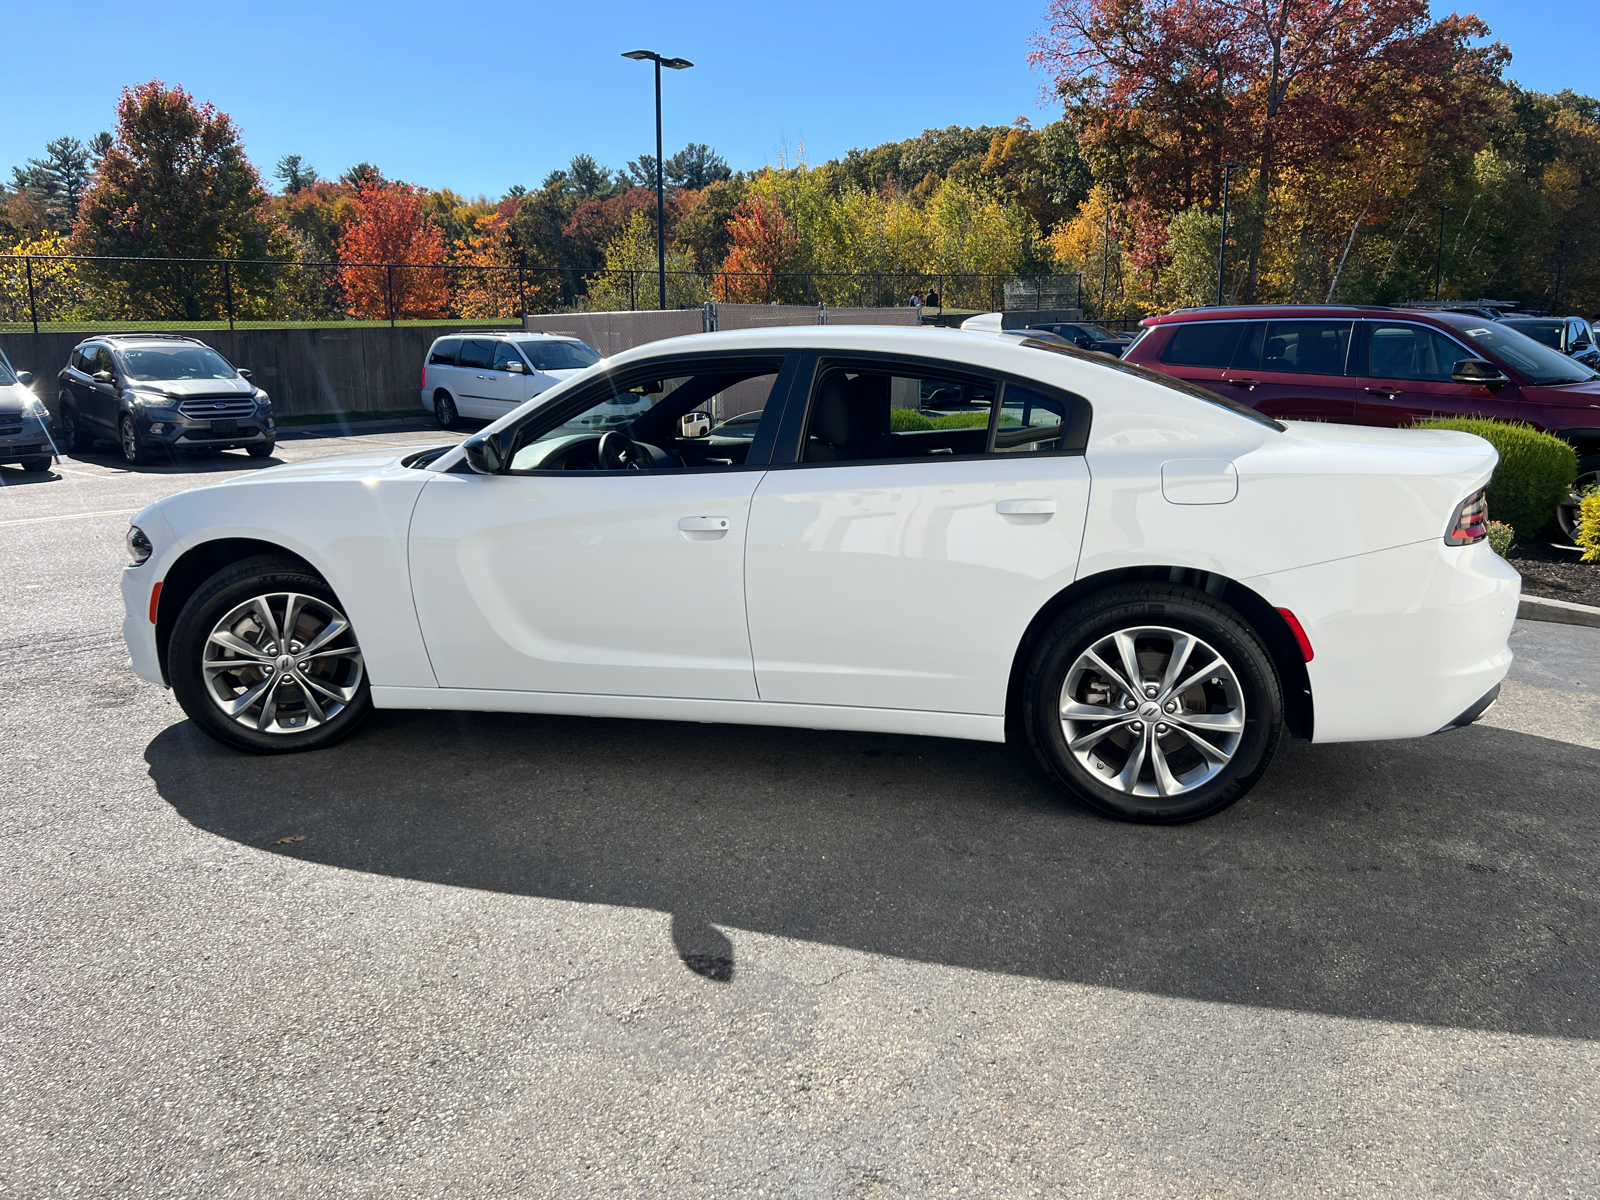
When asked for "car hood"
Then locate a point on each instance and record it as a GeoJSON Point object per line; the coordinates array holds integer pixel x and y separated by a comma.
{"type": "Point", "coordinates": [568, 373]}
{"type": "Point", "coordinates": [1578, 395]}
{"type": "Point", "coordinates": [338, 466]}
{"type": "Point", "coordinates": [182, 389]}
{"type": "Point", "coordinates": [14, 398]}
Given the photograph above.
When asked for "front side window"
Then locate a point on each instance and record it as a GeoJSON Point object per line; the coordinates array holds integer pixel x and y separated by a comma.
{"type": "Point", "coordinates": [504, 355]}
{"type": "Point", "coordinates": [1204, 344]}
{"type": "Point", "coordinates": [444, 353]}
{"type": "Point", "coordinates": [476, 354]}
{"type": "Point", "coordinates": [148, 363]}
{"type": "Point", "coordinates": [1411, 352]}
{"type": "Point", "coordinates": [559, 356]}
{"type": "Point", "coordinates": [633, 420]}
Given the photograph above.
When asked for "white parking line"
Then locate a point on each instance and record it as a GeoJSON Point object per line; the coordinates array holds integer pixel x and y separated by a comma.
{"type": "Point", "coordinates": [110, 512]}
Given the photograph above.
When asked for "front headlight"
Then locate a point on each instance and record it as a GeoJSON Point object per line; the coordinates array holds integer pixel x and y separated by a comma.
{"type": "Point", "coordinates": [139, 547]}
{"type": "Point", "coordinates": [153, 399]}
{"type": "Point", "coordinates": [37, 408]}
{"type": "Point", "coordinates": [262, 399]}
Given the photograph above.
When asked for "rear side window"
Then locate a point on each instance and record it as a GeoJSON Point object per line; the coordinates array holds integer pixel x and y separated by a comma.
{"type": "Point", "coordinates": [444, 353]}
{"type": "Point", "coordinates": [1033, 422]}
{"type": "Point", "coordinates": [476, 354]}
{"type": "Point", "coordinates": [1300, 348]}
{"type": "Point", "coordinates": [1204, 344]}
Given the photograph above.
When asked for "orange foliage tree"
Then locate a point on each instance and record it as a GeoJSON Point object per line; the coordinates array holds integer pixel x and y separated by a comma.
{"type": "Point", "coordinates": [389, 227]}
{"type": "Point", "coordinates": [497, 285]}
{"type": "Point", "coordinates": [761, 242]}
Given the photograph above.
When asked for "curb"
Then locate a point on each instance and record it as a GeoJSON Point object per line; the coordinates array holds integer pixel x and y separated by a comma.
{"type": "Point", "coordinates": [1563, 612]}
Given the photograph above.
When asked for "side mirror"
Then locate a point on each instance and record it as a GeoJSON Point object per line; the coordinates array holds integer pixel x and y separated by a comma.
{"type": "Point", "coordinates": [1478, 370]}
{"type": "Point", "coordinates": [695, 424]}
{"type": "Point", "coordinates": [103, 377]}
{"type": "Point", "coordinates": [516, 368]}
{"type": "Point", "coordinates": [244, 372]}
{"type": "Point", "coordinates": [483, 454]}
{"type": "Point", "coordinates": [25, 378]}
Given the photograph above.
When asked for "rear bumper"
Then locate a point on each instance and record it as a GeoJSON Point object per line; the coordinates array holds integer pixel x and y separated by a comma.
{"type": "Point", "coordinates": [1406, 641]}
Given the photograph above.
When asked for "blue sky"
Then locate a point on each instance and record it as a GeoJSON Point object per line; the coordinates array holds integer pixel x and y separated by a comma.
{"type": "Point", "coordinates": [478, 98]}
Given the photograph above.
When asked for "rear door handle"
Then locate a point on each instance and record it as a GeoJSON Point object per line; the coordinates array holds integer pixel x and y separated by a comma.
{"type": "Point", "coordinates": [1245, 383]}
{"type": "Point", "coordinates": [703, 524]}
{"type": "Point", "coordinates": [1025, 508]}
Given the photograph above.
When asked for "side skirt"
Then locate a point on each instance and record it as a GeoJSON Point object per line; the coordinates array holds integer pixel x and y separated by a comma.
{"type": "Point", "coordinates": [970, 726]}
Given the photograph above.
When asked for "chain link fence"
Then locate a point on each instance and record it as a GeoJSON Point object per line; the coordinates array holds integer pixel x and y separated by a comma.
{"type": "Point", "coordinates": [86, 293]}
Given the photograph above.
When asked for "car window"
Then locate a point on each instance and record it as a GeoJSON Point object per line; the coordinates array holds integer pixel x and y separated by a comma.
{"type": "Point", "coordinates": [476, 354]}
{"type": "Point", "coordinates": [1545, 332]}
{"type": "Point", "coordinates": [168, 362]}
{"type": "Point", "coordinates": [559, 356]}
{"type": "Point", "coordinates": [1204, 344]}
{"type": "Point", "coordinates": [643, 407]}
{"type": "Point", "coordinates": [1537, 364]}
{"type": "Point", "coordinates": [862, 412]}
{"type": "Point", "coordinates": [504, 355]}
{"type": "Point", "coordinates": [1297, 347]}
{"type": "Point", "coordinates": [444, 353]}
{"type": "Point", "coordinates": [1031, 421]}
{"type": "Point", "coordinates": [1411, 352]}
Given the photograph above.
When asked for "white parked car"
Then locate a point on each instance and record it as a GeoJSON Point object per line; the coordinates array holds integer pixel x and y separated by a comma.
{"type": "Point", "coordinates": [1147, 583]}
{"type": "Point", "coordinates": [487, 374]}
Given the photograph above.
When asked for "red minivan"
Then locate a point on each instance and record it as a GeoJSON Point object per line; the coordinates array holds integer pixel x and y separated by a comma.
{"type": "Point", "coordinates": [1380, 366]}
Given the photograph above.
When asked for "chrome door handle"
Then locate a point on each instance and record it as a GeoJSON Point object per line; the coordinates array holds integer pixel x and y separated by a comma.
{"type": "Point", "coordinates": [703, 524]}
{"type": "Point", "coordinates": [1024, 508]}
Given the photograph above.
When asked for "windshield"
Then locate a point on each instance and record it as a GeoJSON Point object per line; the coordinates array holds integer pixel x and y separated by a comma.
{"type": "Point", "coordinates": [1546, 332]}
{"type": "Point", "coordinates": [1534, 362]}
{"type": "Point", "coordinates": [1166, 381]}
{"type": "Point", "coordinates": [7, 375]}
{"type": "Point", "coordinates": [1100, 331]}
{"type": "Point", "coordinates": [175, 362]}
{"type": "Point", "coordinates": [559, 356]}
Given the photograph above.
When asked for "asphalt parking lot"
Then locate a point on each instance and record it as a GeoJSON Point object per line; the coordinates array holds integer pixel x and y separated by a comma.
{"type": "Point", "coordinates": [466, 956]}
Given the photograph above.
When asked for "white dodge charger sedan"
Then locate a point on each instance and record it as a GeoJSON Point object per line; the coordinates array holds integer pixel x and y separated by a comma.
{"type": "Point", "coordinates": [922, 532]}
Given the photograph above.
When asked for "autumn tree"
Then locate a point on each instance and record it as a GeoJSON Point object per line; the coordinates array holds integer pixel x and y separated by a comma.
{"type": "Point", "coordinates": [762, 241]}
{"type": "Point", "coordinates": [175, 183]}
{"type": "Point", "coordinates": [393, 258]}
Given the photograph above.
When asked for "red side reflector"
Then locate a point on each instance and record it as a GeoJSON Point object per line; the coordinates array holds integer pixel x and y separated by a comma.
{"type": "Point", "coordinates": [155, 601]}
{"type": "Point", "coordinates": [1299, 632]}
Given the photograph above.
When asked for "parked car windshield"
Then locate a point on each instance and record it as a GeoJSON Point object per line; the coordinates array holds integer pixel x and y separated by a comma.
{"type": "Point", "coordinates": [1546, 332]}
{"type": "Point", "coordinates": [7, 375]}
{"type": "Point", "coordinates": [1534, 362]}
{"type": "Point", "coordinates": [559, 356]}
{"type": "Point", "coordinates": [175, 362]}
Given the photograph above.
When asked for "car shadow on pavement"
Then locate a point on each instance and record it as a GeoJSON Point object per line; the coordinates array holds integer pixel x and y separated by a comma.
{"type": "Point", "coordinates": [17, 477]}
{"type": "Point", "coordinates": [1445, 881]}
{"type": "Point", "coordinates": [195, 462]}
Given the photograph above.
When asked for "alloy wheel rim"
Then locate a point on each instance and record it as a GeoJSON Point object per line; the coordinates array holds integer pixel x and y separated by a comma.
{"type": "Point", "coordinates": [130, 440]}
{"type": "Point", "coordinates": [282, 663]}
{"type": "Point", "coordinates": [1152, 711]}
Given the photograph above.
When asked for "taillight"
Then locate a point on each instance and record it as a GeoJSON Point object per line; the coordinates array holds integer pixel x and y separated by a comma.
{"type": "Point", "coordinates": [424, 375]}
{"type": "Point", "coordinates": [1471, 523]}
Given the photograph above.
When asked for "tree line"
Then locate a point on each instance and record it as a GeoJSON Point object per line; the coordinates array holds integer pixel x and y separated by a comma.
{"type": "Point", "coordinates": [1371, 148]}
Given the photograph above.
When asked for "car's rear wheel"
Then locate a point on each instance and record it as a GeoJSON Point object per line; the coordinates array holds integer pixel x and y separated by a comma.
{"type": "Point", "coordinates": [133, 448]}
{"type": "Point", "coordinates": [1154, 703]}
{"type": "Point", "coordinates": [262, 658]}
{"type": "Point", "coordinates": [74, 436]}
{"type": "Point", "coordinates": [444, 410]}
{"type": "Point", "coordinates": [1566, 520]}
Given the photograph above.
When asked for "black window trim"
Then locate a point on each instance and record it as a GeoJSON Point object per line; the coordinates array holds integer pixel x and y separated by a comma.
{"type": "Point", "coordinates": [788, 453]}
{"type": "Point", "coordinates": [586, 396]}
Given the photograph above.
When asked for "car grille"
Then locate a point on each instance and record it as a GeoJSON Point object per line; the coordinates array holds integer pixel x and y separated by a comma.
{"type": "Point", "coordinates": [217, 408]}
{"type": "Point", "coordinates": [9, 428]}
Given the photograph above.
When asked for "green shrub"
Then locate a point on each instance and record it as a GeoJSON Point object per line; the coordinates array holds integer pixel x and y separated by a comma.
{"type": "Point", "coordinates": [1589, 525]}
{"type": "Point", "coordinates": [1535, 472]}
{"type": "Point", "coordinates": [972, 420]}
{"type": "Point", "coordinates": [1501, 536]}
{"type": "Point", "coordinates": [907, 420]}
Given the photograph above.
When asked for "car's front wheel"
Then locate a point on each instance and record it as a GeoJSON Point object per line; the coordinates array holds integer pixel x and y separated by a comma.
{"type": "Point", "coordinates": [262, 658]}
{"type": "Point", "coordinates": [37, 465]}
{"type": "Point", "coordinates": [1153, 703]}
{"type": "Point", "coordinates": [133, 448]}
{"type": "Point", "coordinates": [262, 449]}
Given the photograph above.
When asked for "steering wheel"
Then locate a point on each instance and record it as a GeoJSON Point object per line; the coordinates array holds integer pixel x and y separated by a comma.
{"type": "Point", "coordinates": [619, 452]}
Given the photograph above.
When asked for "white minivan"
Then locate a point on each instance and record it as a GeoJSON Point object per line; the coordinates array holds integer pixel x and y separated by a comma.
{"type": "Point", "coordinates": [487, 374]}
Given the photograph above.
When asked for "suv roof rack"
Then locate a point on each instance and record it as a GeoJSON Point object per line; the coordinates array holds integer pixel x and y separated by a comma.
{"type": "Point", "coordinates": [142, 337]}
{"type": "Point", "coordinates": [1456, 305]}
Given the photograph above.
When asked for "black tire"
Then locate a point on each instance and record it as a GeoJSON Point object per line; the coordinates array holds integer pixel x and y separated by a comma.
{"type": "Point", "coordinates": [1248, 684]}
{"type": "Point", "coordinates": [262, 449]}
{"type": "Point", "coordinates": [1564, 525]}
{"type": "Point", "coordinates": [444, 410]}
{"type": "Point", "coordinates": [74, 437]}
{"type": "Point", "coordinates": [37, 465]}
{"type": "Point", "coordinates": [219, 596]}
{"type": "Point", "coordinates": [134, 452]}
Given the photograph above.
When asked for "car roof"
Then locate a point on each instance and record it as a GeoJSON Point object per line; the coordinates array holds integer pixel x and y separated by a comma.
{"type": "Point", "coordinates": [153, 338]}
{"type": "Point", "coordinates": [520, 334]}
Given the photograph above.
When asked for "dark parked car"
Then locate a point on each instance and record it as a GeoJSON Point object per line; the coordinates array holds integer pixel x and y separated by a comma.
{"type": "Point", "coordinates": [1570, 335]}
{"type": "Point", "coordinates": [1086, 336]}
{"type": "Point", "coordinates": [160, 390]}
{"type": "Point", "coordinates": [24, 421]}
{"type": "Point", "coordinates": [1375, 366]}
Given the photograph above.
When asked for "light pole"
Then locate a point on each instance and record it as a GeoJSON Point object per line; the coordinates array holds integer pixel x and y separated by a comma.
{"type": "Point", "coordinates": [672, 64]}
{"type": "Point", "coordinates": [1438, 274]}
{"type": "Point", "coordinates": [1228, 168]}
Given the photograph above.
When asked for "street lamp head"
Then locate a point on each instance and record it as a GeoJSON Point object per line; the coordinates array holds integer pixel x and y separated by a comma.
{"type": "Point", "coordinates": [641, 55]}
{"type": "Point", "coordinates": [676, 64]}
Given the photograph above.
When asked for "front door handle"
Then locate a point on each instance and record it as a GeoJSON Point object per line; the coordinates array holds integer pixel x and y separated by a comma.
{"type": "Point", "coordinates": [1388, 393]}
{"type": "Point", "coordinates": [703, 524]}
{"type": "Point", "coordinates": [1025, 508]}
{"type": "Point", "coordinates": [1245, 383]}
